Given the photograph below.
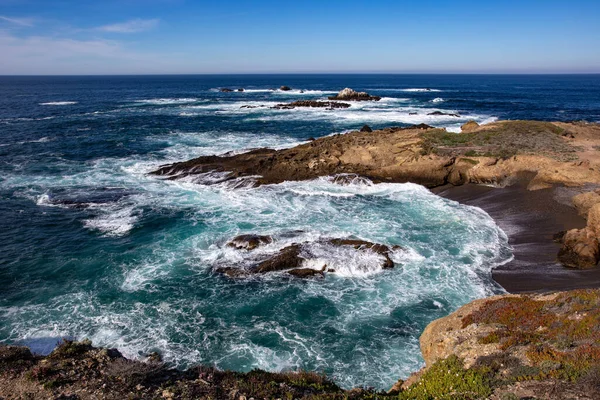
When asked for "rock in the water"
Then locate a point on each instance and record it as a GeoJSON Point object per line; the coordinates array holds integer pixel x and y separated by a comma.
{"type": "Point", "coordinates": [305, 272]}
{"type": "Point", "coordinates": [469, 126]}
{"type": "Point", "coordinates": [249, 242]}
{"type": "Point", "coordinates": [285, 88]}
{"type": "Point", "coordinates": [349, 94]}
{"type": "Point", "coordinates": [226, 90]}
{"type": "Point", "coordinates": [287, 258]}
{"type": "Point", "coordinates": [443, 113]}
{"type": "Point", "coordinates": [240, 89]}
{"type": "Point", "coordinates": [366, 128]}
{"type": "Point", "coordinates": [310, 103]}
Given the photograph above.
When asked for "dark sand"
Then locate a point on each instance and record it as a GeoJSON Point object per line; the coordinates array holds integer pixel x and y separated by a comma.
{"type": "Point", "coordinates": [530, 219]}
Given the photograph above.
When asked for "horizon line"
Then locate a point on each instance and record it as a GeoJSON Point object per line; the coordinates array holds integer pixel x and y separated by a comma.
{"type": "Point", "coordinates": [305, 73]}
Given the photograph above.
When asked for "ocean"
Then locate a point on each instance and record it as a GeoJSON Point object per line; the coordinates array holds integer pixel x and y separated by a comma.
{"type": "Point", "coordinates": [91, 246]}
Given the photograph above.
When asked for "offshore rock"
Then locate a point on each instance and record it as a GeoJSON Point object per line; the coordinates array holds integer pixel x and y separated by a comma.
{"type": "Point", "coordinates": [366, 128]}
{"type": "Point", "coordinates": [287, 258]}
{"type": "Point", "coordinates": [285, 88]}
{"type": "Point", "coordinates": [443, 113]}
{"type": "Point", "coordinates": [349, 94]}
{"type": "Point", "coordinates": [249, 242]}
{"type": "Point", "coordinates": [226, 90]}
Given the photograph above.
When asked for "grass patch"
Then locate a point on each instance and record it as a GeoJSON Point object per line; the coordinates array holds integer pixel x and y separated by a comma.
{"type": "Point", "coordinates": [448, 380]}
{"type": "Point", "coordinates": [502, 140]}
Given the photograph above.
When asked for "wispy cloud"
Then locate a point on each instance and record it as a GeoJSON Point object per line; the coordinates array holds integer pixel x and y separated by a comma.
{"type": "Point", "coordinates": [131, 26]}
{"type": "Point", "coordinates": [17, 21]}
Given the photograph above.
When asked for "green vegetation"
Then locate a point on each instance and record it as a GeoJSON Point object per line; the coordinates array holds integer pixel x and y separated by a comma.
{"type": "Point", "coordinates": [502, 140]}
{"type": "Point", "coordinates": [447, 379]}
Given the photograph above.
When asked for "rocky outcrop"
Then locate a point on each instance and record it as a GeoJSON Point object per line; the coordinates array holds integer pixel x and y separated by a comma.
{"type": "Point", "coordinates": [291, 258]}
{"type": "Point", "coordinates": [311, 103]}
{"type": "Point", "coordinates": [349, 94]}
{"type": "Point", "coordinates": [538, 341]}
{"type": "Point", "coordinates": [581, 247]}
{"type": "Point", "coordinates": [493, 154]}
{"type": "Point", "coordinates": [287, 258]}
{"type": "Point", "coordinates": [285, 88]}
{"type": "Point", "coordinates": [79, 371]}
{"type": "Point", "coordinates": [240, 90]}
{"type": "Point", "coordinates": [249, 242]}
{"type": "Point", "coordinates": [583, 202]}
{"type": "Point", "coordinates": [366, 128]}
{"type": "Point", "coordinates": [443, 113]}
{"type": "Point", "coordinates": [469, 126]}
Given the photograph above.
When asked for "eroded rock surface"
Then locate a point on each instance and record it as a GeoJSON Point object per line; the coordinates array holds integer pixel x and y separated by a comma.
{"type": "Point", "coordinates": [349, 94]}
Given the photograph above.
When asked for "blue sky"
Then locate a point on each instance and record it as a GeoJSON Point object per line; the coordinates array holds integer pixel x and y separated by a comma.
{"type": "Point", "coordinates": [181, 37]}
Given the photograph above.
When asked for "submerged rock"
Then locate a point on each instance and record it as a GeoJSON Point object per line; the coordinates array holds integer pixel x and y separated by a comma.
{"type": "Point", "coordinates": [249, 242]}
{"type": "Point", "coordinates": [310, 103]}
{"type": "Point", "coordinates": [349, 94]}
{"type": "Point", "coordinates": [226, 90]}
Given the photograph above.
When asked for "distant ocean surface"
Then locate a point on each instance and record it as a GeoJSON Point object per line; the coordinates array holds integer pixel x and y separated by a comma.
{"type": "Point", "coordinates": [93, 247]}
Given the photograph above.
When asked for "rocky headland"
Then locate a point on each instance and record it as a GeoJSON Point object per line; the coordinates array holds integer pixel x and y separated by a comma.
{"type": "Point", "coordinates": [514, 346]}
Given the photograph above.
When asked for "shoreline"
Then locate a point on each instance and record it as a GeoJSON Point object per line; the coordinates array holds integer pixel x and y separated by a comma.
{"type": "Point", "coordinates": [530, 219]}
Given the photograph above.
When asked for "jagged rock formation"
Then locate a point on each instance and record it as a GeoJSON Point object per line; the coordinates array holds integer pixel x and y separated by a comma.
{"type": "Point", "coordinates": [290, 258]}
{"type": "Point", "coordinates": [349, 94]}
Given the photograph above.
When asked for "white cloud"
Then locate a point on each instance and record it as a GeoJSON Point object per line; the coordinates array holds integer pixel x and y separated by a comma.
{"type": "Point", "coordinates": [17, 21]}
{"type": "Point", "coordinates": [131, 26]}
{"type": "Point", "coordinates": [41, 55]}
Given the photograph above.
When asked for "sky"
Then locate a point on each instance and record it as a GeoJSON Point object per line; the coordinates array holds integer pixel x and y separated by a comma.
{"type": "Point", "coordinates": [63, 37]}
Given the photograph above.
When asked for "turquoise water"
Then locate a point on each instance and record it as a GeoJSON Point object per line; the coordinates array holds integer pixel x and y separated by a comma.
{"type": "Point", "coordinates": [94, 247]}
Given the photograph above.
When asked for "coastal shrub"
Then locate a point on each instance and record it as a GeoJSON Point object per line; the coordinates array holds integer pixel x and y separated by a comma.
{"type": "Point", "coordinates": [69, 348]}
{"type": "Point", "coordinates": [560, 334]}
{"type": "Point", "coordinates": [448, 380]}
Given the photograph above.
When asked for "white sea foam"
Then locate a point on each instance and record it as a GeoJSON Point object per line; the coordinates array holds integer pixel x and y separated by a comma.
{"type": "Point", "coordinates": [167, 101]}
{"type": "Point", "coordinates": [59, 103]}
{"type": "Point", "coordinates": [416, 90]}
{"type": "Point", "coordinates": [113, 220]}
{"type": "Point", "coordinates": [438, 100]}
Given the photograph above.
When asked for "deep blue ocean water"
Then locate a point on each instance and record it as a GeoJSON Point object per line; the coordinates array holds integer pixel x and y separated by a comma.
{"type": "Point", "coordinates": [91, 246]}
